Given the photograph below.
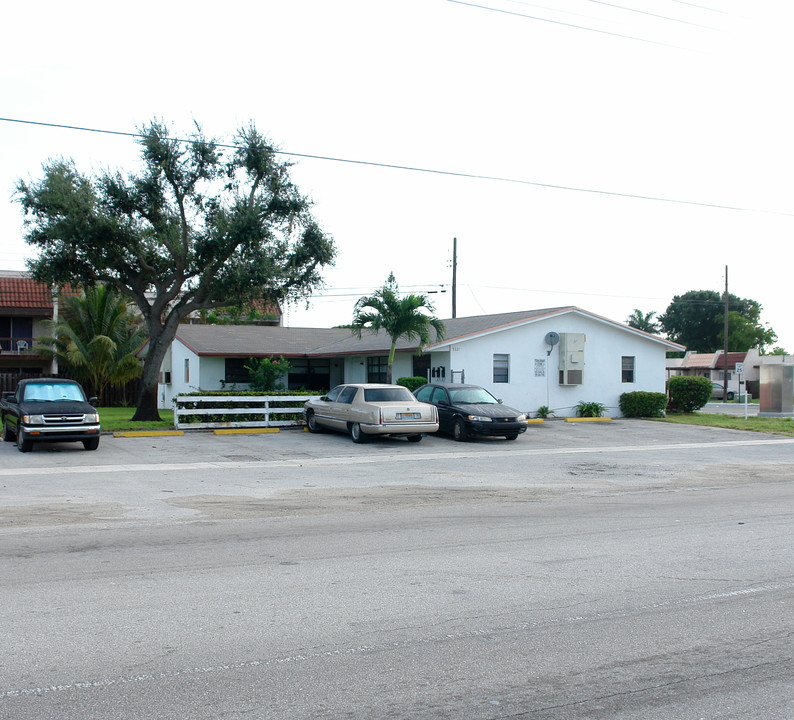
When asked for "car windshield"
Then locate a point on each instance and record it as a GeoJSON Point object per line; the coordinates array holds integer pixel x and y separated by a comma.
{"type": "Point", "coordinates": [53, 391]}
{"type": "Point", "coordinates": [471, 396]}
{"type": "Point", "coordinates": [396, 394]}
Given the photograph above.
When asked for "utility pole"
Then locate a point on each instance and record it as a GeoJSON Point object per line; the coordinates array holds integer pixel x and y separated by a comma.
{"type": "Point", "coordinates": [725, 336]}
{"type": "Point", "coordinates": [454, 277]}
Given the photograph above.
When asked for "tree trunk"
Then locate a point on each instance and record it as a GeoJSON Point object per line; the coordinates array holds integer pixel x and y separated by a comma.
{"type": "Point", "coordinates": [147, 404]}
{"type": "Point", "coordinates": [391, 362]}
{"type": "Point", "coordinates": [160, 338]}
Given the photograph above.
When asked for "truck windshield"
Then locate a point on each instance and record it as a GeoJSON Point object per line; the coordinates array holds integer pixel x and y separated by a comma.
{"type": "Point", "coordinates": [53, 391]}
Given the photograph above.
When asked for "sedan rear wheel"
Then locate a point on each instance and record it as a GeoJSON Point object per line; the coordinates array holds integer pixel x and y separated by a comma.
{"type": "Point", "coordinates": [357, 434]}
{"type": "Point", "coordinates": [459, 430]}
{"type": "Point", "coordinates": [415, 438]}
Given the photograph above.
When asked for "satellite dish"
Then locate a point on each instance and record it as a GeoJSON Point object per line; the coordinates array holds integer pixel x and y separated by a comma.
{"type": "Point", "coordinates": [552, 338]}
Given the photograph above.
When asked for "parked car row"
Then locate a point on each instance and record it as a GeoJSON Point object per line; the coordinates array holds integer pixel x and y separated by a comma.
{"type": "Point", "coordinates": [369, 409]}
{"type": "Point", "coordinates": [57, 410]}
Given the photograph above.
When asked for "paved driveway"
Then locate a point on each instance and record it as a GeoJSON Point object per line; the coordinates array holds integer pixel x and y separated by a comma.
{"type": "Point", "coordinates": [205, 475]}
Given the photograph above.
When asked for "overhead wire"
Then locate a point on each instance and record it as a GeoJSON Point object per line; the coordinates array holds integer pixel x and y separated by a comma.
{"type": "Point", "coordinates": [430, 171]}
{"type": "Point", "coordinates": [650, 14]}
{"type": "Point", "coordinates": [566, 24]}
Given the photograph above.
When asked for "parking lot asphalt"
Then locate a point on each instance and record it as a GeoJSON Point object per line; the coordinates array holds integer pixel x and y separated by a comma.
{"type": "Point", "coordinates": [203, 475]}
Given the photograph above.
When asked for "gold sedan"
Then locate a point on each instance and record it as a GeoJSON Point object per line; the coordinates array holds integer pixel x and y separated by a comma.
{"type": "Point", "coordinates": [364, 409]}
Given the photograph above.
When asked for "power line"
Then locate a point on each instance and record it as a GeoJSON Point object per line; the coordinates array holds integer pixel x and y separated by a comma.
{"type": "Point", "coordinates": [645, 12]}
{"type": "Point", "coordinates": [700, 7]}
{"type": "Point", "coordinates": [429, 171]}
{"type": "Point", "coordinates": [565, 24]}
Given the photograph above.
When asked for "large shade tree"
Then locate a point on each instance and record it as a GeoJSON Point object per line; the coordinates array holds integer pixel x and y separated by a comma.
{"type": "Point", "coordinates": [398, 316]}
{"type": "Point", "coordinates": [696, 320]}
{"type": "Point", "coordinates": [198, 226]}
{"type": "Point", "coordinates": [95, 339]}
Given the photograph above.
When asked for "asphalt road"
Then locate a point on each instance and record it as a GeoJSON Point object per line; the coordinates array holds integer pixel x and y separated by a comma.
{"type": "Point", "coordinates": [623, 570]}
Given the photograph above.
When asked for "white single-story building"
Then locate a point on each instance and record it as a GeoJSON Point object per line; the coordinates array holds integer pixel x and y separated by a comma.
{"type": "Point", "coordinates": [555, 357]}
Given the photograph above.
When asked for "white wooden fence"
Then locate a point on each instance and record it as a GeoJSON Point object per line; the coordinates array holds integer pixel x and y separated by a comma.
{"type": "Point", "coordinates": [227, 405]}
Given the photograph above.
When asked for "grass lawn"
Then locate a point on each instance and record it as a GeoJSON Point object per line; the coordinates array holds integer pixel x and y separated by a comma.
{"type": "Point", "coordinates": [116, 419]}
{"type": "Point", "coordinates": [777, 426]}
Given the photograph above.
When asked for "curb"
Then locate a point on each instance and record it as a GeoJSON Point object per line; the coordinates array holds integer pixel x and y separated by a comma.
{"type": "Point", "coordinates": [244, 431]}
{"type": "Point", "coordinates": [589, 419]}
{"type": "Point", "coordinates": [147, 433]}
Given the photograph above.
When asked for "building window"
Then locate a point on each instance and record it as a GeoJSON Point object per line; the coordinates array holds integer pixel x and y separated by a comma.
{"type": "Point", "coordinates": [377, 369]}
{"type": "Point", "coordinates": [501, 368]}
{"type": "Point", "coordinates": [627, 368]}
{"type": "Point", "coordinates": [235, 370]}
{"type": "Point", "coordinates": [187, 370]}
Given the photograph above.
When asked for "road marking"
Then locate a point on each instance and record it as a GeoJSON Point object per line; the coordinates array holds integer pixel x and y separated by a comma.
{"type": "Point", "coordinates": [471, 453]}
{"type": "Point", "coordinates": [434, 639]}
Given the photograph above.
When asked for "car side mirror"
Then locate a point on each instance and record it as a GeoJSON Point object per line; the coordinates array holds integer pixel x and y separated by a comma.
{"type": "Point", "coordinates": [499, 400]}
{"type": "Point", "coordinates": [93, 401]}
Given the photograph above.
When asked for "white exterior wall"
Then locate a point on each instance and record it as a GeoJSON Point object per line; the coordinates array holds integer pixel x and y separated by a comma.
{"type": "Point", "coordinates": [604, 347]}
{"type": "Point", "coordinates": [212, 372]}
{"type": "Point", "coordinates": [206, 373]}
{"type": "Point", "coordinates": [179, 354]}
{"type": "Point", "coordinates": [356, 367]}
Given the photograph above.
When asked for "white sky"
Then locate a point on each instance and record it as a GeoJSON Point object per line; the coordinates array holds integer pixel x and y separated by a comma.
{"type": "Point", "coordinates": [686, 101]}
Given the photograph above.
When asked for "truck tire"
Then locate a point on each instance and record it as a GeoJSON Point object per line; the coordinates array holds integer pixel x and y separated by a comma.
{"type": "Point", "coordinates": [23, 444]}
{"type": "Point", "coordinates": [8, 436]}
{"type": "Point", "coordinates": [91, 443]}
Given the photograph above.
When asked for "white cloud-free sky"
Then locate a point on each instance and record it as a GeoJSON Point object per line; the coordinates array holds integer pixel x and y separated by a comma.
{"type": "Point", "coordinates": [584, 103]}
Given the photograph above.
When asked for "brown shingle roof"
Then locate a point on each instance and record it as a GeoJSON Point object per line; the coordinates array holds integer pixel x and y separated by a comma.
{"type": "Point", "coordinates": [252, 340]}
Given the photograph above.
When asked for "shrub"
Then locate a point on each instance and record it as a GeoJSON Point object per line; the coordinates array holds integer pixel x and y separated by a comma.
{"type": "Point", "coordinates": [266, 371]}
{"type": "Point", "coordinates": [590, 409]}
{"type": "Point", "coordinates": [643, 404]}
{"type": "Point", "coordinates": [543, 411]}
{"type": "Point", "coordinates": [687, 393]}
{"type": "Point", "coordinates": [412, 383]}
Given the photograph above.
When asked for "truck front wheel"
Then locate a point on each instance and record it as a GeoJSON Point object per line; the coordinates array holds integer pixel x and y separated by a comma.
{"type": "Point", "coordinates": [23, 444]}
{"type": "Point", "coordinates": [91, 443]}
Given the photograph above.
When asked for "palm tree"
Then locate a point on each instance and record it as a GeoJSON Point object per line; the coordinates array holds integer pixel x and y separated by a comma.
{"type": "Point", "coordinates": [397, 316]}
{"type": "Point", "coordinates": [96, 339]}
{"type": "Point", "coordinates": [643, 321]}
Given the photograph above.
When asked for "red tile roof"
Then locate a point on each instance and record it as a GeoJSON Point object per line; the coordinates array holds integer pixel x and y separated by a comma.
{"type": "Point", "coordinates": [23, 293]}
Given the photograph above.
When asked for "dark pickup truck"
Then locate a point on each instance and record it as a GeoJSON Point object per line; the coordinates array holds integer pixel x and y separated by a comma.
{"type": "Point", "coordinates": [49, 410]}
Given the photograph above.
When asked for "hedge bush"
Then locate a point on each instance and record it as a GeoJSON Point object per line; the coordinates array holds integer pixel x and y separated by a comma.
{"type": "Point", "coordinates": [412, 383]}
{"type": "Point", "coordinates": [688, 393]}
{"type": "Point", "coordinates": [643, 404]}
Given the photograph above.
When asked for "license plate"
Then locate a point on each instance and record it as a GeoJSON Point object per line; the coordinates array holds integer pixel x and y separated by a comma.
{"type": "Point", "coordinates": [409, 416]}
